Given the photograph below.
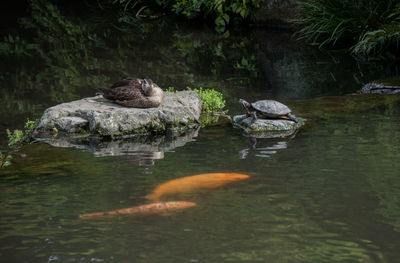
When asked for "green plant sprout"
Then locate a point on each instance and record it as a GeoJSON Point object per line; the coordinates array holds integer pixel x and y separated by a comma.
{"type": "Point", "coordinates": [18, 137]}
{"type": "Point", "coordinates": [5, 160]}
{"type": "Point", "coordinates": [212, 100]}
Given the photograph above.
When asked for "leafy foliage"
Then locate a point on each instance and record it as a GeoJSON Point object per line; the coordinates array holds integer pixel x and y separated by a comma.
{"type": "Point", "coordinates": [246, 64]}
{"type": "Point", "coordinates": [18, 137]}
{"type": "Point", "coordinates": [379, 40]}
{"type": "Point", "coordinates": [220, 55]}
{"type": "Point", "coordinates": [213, 101]}
{"type": "Point", "coordinates": [222, 11]}
{"type": "Point", "coordinates": [5, 160]}
{"type": "Point", "coordinates": [368, 26]}
{"type": "Point", "coordinates": [171, 89]}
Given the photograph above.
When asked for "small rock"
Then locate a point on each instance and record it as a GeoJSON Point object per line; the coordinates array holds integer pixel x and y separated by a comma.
{"type": "Point", "coordinates": [389, 86]}
{"type": "Point", "coordinates": [277, 127]}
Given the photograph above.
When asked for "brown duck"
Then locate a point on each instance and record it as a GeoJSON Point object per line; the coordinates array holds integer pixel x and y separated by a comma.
{"type": "Point", "coordinates": [134, 92]}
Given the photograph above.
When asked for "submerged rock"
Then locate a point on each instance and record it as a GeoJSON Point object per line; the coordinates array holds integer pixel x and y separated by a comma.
{"type": "Point", "coordinates": [272, 128]}
{"type": "Point", "coordinates": [97, 116]}
{"type": "Point", "coordinates": [389, 86]}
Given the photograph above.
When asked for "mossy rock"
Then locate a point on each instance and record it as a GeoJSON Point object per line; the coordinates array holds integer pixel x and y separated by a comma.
{"type": "Point", "coordinates": [267, 127]}
{"type": "Point", "coordinates": [98, 116]}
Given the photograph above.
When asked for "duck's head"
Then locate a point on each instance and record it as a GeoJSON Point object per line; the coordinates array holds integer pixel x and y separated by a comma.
{"type": "Point", "coordinates": [151, 89]}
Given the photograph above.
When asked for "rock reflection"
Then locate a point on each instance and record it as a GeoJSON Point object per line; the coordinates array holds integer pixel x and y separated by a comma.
{"type": "Point", "coordinates": [138, 150]}
{"type": "Point", "coordinates": [144, 159]}
{"type": "Point", "coordinates": [265, 145]}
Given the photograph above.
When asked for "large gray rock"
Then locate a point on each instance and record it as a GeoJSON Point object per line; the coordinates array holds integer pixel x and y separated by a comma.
{"type": "Point", "coordinates": [98, 116]}
{"type": "Point", "coordinates": [267, 128]}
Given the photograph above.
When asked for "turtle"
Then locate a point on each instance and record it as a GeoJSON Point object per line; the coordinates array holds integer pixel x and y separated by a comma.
{"type": "Point", "coordinates": [266, 109]}
{"type": "Point", "coordinates": [134, 92]}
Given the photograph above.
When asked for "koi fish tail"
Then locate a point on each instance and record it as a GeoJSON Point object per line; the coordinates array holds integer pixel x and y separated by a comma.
{"type": "Point", "coordinates": [93, 215]}
{"type": "Point", "coordinates": [153, 197]}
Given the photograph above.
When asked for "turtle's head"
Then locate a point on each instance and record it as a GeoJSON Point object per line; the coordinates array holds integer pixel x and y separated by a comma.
{"type": "Point", "coordinates": [245, 104]}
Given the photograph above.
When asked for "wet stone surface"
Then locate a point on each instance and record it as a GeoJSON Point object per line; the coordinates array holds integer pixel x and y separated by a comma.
{"type": "Point", "coordinates": [277, 127]}
{"type": "Point", "coordinates": [381, 88]}
{"type": "Point", "coordinates": [97, 116]}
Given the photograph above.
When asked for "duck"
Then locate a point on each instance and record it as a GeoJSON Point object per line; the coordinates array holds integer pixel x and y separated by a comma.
{"type": "Point", "coordinates": [134, 92]}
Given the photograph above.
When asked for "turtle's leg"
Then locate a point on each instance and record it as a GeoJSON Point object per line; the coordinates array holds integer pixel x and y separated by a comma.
{"type": "Point", "coordinates": [254, 117]}
{"type": "Point", "coordinates": [292, 117]}
{"type": "Point", "coordinates": [253, 142]}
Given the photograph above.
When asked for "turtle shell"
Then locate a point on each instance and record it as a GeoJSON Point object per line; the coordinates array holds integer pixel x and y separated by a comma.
{"type": "Point", "coordinates": [271, 107]}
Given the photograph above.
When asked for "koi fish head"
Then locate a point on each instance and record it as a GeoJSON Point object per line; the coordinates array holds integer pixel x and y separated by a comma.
{"type": "Point", "coordinates": [235, 176]}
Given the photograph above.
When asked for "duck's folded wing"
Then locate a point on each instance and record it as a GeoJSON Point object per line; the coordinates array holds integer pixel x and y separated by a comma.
{"type": "Point", "coordinates": [134, 82]}
{"type": "Point", "coordinates": [122, 93]}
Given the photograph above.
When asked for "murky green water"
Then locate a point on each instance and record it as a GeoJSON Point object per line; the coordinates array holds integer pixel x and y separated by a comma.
{"type": "Point", "coordinates": [330, 194]}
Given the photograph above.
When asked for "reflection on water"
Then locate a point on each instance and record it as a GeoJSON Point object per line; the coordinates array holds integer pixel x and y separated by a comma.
{"type": "Point", "coordinates": [266, 144]}
{"type": "Point", "coordinates": [138, 150]}
{"type": "Point", "coordinates": [145, 159]}
{"type": "Point", "coordinates": [263, 152]}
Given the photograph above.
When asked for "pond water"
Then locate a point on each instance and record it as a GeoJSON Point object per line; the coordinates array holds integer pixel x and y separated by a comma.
{"type": "Point", "coordinates": [331, 193]}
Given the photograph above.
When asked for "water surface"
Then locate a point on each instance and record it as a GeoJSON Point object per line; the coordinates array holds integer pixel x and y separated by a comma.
{"type": "Point", "coordinates": [329, 194]}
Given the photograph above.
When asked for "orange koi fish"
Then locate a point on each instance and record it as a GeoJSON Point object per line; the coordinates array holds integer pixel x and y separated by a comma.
{"type": "Point", "coordinates": [195, 182]}
{"type": "Point", "coordinates": [154, 208]}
